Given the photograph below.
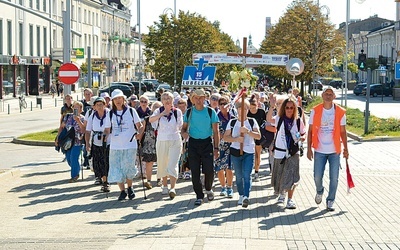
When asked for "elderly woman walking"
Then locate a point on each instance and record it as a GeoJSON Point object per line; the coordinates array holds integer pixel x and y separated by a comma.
{"type": "Point", "coordinates": [124, 124]}
{"type": "Point", "coordinates": [168, 122]}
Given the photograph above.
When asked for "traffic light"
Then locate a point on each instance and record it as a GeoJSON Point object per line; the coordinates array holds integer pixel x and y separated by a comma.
{"type": "Point", "coordinates": [362, 61]}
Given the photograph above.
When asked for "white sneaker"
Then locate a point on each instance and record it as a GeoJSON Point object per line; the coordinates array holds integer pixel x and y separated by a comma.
{"type": "Point", "coordinates": [330, 206]}
{"type": "Point", "coordinates": [318, 198]}
{"type": "Point", "coordinates": [240, 201]}
{"type": "Point", "coordinates": [210, 195]}
{"type": "Point", "coordinates": [256, 177]}
{"type": "Point", "coordinates": [281, 198]}
{"type": "Point", "coordinates": [164, 190]}
{"type": "Point", "coordinates": [245, 201]}
{"type": "Point", "coordinates": [291, 204]}
{"type": "Point", "coordinates": [172, 193]}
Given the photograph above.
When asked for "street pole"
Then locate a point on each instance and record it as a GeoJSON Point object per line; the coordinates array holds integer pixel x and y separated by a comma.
{"type": "Point", "coordinates": [366, 115]}
{"type": "Point", "coordinates": [347, 49]}
{"type": "Point", "coordinates": [89, 64]}
{"type": "Point", "coordinates": [67, 40]}
{"type": "Point", "coordinates": [140, 48]}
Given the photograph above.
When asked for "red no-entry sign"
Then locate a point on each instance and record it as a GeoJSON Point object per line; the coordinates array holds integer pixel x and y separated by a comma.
{"type": "Point", "coordinates": [68, 73]}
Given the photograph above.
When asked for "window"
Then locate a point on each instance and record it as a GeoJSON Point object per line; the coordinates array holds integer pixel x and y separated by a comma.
{"type": "Point", "coordinates": [79, 15]}
{"type": "Point", "coordinates": [1, 36]}
{"type": "Point", "coordinates": [45, 5]}
{"type": "Point", "coordinates": [54, 39]}
{"type": "Point", "coordinates": [44, 41]}
{"type": "Point", "coordinates": [31, 40]}
{"type": "Point", "coordinates": [21, 38]}
{"type": "Point", "coordinates": [38, 43]}
{"type": "Point", "coordinates": [21, 2]}
{"type": "Point", "coordinates": [31, 4]}
{"type": "Point", "coordinates": [38, 4]}
{"type": "Point", "coordinates": [97, 19]}
{"type": "Point", "coordinates": [88, 18]}
{"type": "Point", "coordinates": [9, 38]}
{"type": "Point", "coordinates": [84, 16]}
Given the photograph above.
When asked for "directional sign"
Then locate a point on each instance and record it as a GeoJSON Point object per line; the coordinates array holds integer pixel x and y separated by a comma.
{"type": "Point", "coordinates": [68, 73]}
{"type": "Point", "coordinates": [200, 76]}
{"type": "Point", "coordinates": [266, 59]}
{"type": "Point", "coordinates": [397, 71]}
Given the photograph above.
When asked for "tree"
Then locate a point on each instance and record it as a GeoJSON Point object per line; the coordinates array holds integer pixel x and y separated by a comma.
{"type": "Point", "coordinates": [302, 32]}
{"type": "Point", "coordinates": [182, 36]}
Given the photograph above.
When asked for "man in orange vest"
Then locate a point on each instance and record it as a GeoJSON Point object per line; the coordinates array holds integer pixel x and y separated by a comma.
{"type": "Point", "coordinates": [326, 134]}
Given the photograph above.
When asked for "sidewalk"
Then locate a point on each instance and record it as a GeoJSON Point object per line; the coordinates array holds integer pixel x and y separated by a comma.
{"type": "Point", "coordinates": [41, 210]}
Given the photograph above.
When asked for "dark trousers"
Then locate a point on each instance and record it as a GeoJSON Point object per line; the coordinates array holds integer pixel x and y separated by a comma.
{"type": "Point", "coordinates": [201, 160]}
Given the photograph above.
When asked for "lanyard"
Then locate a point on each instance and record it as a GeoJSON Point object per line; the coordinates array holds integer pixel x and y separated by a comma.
{"type": "Point", "coordinates": [119, 123]}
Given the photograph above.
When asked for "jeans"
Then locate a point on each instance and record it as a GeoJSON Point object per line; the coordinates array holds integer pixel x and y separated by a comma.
{"type": "Point", "coordinates": [320, 160]}
{"type": "Point", "coordinates": [243, 166]}
{"type": "Point", "coordinates": [72, 156]}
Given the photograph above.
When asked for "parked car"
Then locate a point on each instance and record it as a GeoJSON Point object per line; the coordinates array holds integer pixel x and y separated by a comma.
{"type": "Point", "coordinates": [136, 84]}
{"type": "Point", "coordinates": [376, 90]}
{"type": "Point", "coordinates": [336, 84]}
{"type": "Point", "coordinates": [164, 86]}
{"type": "Point", "coordinates": [359, 88]}
{"type": "Point", "coordinates": [124, 88]}
{"type": "Point", "coordinates": [318, 85]}
{"type": "Point", "coordinates": [130, 85]}
{"type": "Point", "coordinates": [154, 82]}
{"type": "Point", "coordinates": [7, 87]}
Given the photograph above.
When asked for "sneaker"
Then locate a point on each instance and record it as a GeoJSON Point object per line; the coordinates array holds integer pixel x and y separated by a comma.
{"type": "Point", "coordinates": [75, 179]}
{"type": "Point", "coordinates": [97, 181]}
{"type": "Point", "coordinates": [164, 190]}
{"type": "Point", "coordinates": [187, 175]}
{"type": "Point", "coordinates": [330, 206]}
{"type": "Point", "coordinates": [122, 195]}
{"type": "Point", "coordinates": [245, 201]}
{"type": "Point", "coordinates": [210, 195]}
{"type": "Point", "coordinates": [223, 192]}
{"type": "Point", "coordinates": [172, 193]}
{"type": "Point", "coordinates": [291, 204]}
{"type": "Point", "coordinates": [281, 198]}
{"type": "Point", "coordinates": [229, 192]}
{"type": "Point", "coordinates": [148, 185]}
{"type": "Point", "coordinates": [131, 193]}
{"type": "Point", "coordinates": [106, 187]}
{"type": "Point", "coordinates": [318, 198]}
{"type": "Point", "coordinates": [159, 182]}
{"type": "Point", "coordinates": [240, 201]}
{"type": "Point", "coordinates": [180, 176]}
{"type": "Point", "coordinates": [198, 202]}
{"type": "Point", "coordinates": [256, 177]}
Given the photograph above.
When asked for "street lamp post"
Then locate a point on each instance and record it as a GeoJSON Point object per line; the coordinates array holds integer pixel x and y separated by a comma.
{"type": "Point", "coordinates": [333, 62]}
{"type": "Point", "coordinates": [175, 50]}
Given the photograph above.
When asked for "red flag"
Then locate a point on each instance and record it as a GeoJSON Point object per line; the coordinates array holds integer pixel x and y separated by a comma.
{"type": "Point", "coordinates": [350, 183]}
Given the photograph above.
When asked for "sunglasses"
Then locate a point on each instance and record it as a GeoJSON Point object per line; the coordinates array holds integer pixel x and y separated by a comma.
{"type": "Point", "coordinates": [214, 99]}
{"type": "Point", "coordinates": [223, 103]}
{"type": "Point", "coordinates": [289, 107]}
{"type": "Point", "coordinates": [143, 101]}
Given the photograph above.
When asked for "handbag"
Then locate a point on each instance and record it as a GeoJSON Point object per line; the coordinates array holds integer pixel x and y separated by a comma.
{"type": "Point", "coordinates": [234, 152]}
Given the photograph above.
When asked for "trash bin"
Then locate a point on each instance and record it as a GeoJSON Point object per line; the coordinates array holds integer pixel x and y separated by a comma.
{"type": "Point", "coordinates": [38, 101]}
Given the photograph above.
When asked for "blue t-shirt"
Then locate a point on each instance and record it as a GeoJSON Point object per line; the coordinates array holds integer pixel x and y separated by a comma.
{"type": "Point", "coordinates": [200, 124]}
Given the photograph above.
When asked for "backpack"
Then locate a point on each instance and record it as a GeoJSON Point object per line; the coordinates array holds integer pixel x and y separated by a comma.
{"type": "Point", "coordinates": [293, 147]}
{"type": "Point", "coordinates": [66, 139]}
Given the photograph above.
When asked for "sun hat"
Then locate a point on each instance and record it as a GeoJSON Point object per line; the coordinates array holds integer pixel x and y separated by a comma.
{"type": "Point", "coordinates": [91, 102]}
{"type": "Point", "coordinates": [99, 99]}
{"type": "Point", "coordinates": [117, 93]}
{"type": "Point", "coordinates": [133, 98]}
{"type": "Point", "coordinates": [105, 95]}
{"type": "Point", "coordinates": [327, 88]}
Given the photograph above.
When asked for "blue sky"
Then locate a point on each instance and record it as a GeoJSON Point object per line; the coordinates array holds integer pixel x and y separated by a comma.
{"type": "Point", "coordinates": [241, 18]}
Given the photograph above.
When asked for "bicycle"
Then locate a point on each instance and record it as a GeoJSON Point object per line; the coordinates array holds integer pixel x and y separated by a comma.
{"type": "Point", "coordinates": [22, 102]}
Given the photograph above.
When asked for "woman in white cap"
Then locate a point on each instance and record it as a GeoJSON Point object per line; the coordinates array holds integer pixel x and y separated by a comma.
{"type": "Point", "coordinates": [124, 123]}
{"type": "Point", "coordinates": [96, 142]}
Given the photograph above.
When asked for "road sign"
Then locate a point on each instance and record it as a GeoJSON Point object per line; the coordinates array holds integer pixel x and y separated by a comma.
{"type": "Point", "coordinates": [397, 71]}
{"type": "Point", "coordinates": [68, 73]}
{"type": "Point", "coordinates": [200, 76]}
{"type": "Point", "coordinates": [265, 59]}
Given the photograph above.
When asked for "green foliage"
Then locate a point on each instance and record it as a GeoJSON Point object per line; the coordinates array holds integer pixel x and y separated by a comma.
{"type": "Point", "coordinates": [355, 122]}
{"type": "Point", "coordinates": [295, 34]}
{"type": "Point", "coordinates": [172, 39]}
{"type": "Point", "coordinates": [48, 135]}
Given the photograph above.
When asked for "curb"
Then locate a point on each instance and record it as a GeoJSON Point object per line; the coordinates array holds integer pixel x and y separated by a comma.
{"type": "Point", "coordinates": [33, 143]}
{"type": "Point", "coordinates": [10, 174]}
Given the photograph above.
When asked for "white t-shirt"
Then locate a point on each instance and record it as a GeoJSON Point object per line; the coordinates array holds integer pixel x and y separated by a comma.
{"type": "Point", "coordinates": [93, 124]}
{"type": "Point", "coordinates": [280, 141]}
{"type": "Point", "coordinates": [325, 133]}
{"type": "Point", "coordinates": [248, 143]}
{"type": "Point", "coordinates": [123, 129]}
{"type": "Point", "coordinates": [168, 130]}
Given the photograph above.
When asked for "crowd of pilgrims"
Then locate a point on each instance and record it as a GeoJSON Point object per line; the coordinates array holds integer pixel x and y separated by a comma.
{"type": "Point", "coordinates": [126, 137]}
